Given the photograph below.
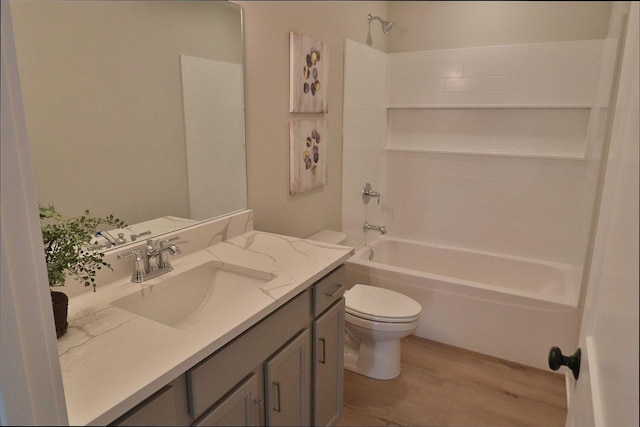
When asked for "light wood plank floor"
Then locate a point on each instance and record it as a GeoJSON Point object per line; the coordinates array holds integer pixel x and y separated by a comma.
{"type": "Point", "coordinates": [441, 385]}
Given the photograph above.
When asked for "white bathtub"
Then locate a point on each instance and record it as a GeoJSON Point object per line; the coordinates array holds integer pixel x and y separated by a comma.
{"type": "Point", "coordinates": [509, 307]}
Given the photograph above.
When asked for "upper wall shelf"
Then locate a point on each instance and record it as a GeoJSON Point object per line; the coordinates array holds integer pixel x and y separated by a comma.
{"type": "Point", "coordinates": [444, 106]}
{"type": "Point", "coordinates": [523, 131]}
{"type": "Point", "coordinates": [470, 152]}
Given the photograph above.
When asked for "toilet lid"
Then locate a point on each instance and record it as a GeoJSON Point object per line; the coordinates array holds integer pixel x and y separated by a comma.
{"type": "Point", "coordinates": [379, 304]}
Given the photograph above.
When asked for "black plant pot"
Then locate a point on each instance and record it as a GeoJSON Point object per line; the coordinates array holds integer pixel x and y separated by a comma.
{"type": "Point", "coordinates": [60, 303]}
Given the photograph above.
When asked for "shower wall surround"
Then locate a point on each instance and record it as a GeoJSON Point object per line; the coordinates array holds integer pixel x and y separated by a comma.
{"type": "Point", "coordinates": [489, 148]}
{"type": "Point", "coordinates": [539, 74]}
{"type": "Point", "coordinates": [364, 138]}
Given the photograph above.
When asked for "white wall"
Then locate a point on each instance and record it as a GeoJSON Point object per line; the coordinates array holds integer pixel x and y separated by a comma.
{"type": "Point", "coordinates": [428, 25]}
{"type": "Point", "coordinates": [519, 74]}
{"type": "Point", "coordinates": [266, 31]}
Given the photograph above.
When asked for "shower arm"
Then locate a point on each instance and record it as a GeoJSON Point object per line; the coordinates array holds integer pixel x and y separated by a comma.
{"type": "Point", "coordinates": [386, 25]}
{"type": "Point", "coordinates": [377, 18]}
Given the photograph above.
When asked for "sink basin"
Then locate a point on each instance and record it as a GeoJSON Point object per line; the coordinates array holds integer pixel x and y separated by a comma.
{"type": "Point", "coordinates": [184, 299]}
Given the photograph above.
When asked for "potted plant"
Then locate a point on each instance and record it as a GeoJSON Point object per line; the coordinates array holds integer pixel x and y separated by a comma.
{"type": "Point", "coordinates": [69, 253]}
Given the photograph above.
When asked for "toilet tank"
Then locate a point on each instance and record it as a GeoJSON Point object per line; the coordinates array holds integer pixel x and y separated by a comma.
{"type": "Point", "coordinates": [329, 236]}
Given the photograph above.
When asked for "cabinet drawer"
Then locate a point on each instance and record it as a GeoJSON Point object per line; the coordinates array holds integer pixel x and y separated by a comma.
{"type": "Point", "coordinates": [328, 290]}
{"type": "Point", "coordinates": [212, 378]}
{"type": "Point", "coordinates": [157, 410]}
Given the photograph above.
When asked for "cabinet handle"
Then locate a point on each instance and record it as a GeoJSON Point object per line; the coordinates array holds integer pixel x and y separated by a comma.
{"type": "Point", "coordinates": [277, 407]}
{"type": "Point", "coordinates": [336, 292]}
{"type": "Point", "coordinates": [324, 358]}
{"type": "Point", "coordinates": [257, 420]}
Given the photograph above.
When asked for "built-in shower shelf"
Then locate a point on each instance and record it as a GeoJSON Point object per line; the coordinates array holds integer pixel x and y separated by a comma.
{"type": "Point", "coordinates": [536, 131]}
{"type": "Point", "coordinates": [537, 155]}
{"type": "Point", "coordinates": [463, 106]}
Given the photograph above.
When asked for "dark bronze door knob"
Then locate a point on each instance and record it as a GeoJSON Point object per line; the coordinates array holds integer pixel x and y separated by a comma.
{"type": "Point", "coordinates": [557, 359]}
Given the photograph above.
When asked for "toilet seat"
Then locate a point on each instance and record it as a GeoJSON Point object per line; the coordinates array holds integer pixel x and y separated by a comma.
{"type": "Point", "coordinates": [381, 319]}
{"type": "Point", "coordinates": [381, 305]}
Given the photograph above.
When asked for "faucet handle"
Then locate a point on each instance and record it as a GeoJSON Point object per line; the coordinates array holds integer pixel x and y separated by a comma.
{"type": "Point", "coordinates": [97, 246]}
{"type": "Point", "coordinates": [164, 242]}
{"type": "Point", "coordinates": [135, 252]}
{"type": "Point", "coordinates": [165, 250]}
{"type": "Point", "coordinates": [138, 265]}
{"type": "Point", "coordinates": [367, 193]}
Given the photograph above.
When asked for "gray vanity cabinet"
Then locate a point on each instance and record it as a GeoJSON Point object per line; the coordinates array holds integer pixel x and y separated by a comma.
{"type": "Point", "coordinates": [284, 370]}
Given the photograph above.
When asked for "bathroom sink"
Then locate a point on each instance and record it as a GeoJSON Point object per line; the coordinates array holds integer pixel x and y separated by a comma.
{"type": "Point", "coordinates": [184, 299]}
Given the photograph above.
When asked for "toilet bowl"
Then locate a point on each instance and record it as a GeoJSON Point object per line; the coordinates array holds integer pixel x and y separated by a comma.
{"type": "Point", "coordinates": [376, 319]}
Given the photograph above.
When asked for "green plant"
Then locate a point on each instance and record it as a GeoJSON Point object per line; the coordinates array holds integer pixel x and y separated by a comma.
{"type": "Point", "coordinates": [67, 245]}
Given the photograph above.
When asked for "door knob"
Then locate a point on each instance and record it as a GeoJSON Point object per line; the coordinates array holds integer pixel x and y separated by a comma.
{"type": "Point", "coordinates": [557, 359]}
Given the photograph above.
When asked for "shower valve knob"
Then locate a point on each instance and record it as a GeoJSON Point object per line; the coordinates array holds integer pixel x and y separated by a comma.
{"type": "Point", "coordinates": [368, 193]}
{"type": "Point", "coordinates": [557, 359]}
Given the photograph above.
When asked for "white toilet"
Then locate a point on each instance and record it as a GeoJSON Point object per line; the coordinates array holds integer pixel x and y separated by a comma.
{"type": "Point", "coordinates": [376, 319]}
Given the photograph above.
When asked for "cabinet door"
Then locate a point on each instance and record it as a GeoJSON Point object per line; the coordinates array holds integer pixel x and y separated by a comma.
{"type": "Point", "coordinates": [288, 383]}
{"type": "Point", "coordinates": [239, 408]}
{"type": "Point", "coordinates": [328, 374]}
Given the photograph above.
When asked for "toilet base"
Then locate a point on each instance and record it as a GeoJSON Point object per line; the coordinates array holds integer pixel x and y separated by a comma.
{"type": "Point", "coordinates": [374, 359]}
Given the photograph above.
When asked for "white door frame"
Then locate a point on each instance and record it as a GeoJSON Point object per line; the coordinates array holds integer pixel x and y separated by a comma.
{"type": "Point", "coordinates": [31, 391]}
{"type": "Point", "coordinates": [606, 392]}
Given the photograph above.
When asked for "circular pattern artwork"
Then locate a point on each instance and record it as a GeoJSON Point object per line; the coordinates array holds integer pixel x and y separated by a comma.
{"type": "Point", "coordinates": [311, 156]}
{"type": "Point", "coordinates": [309, 71]}
{"type": "Point", "coordinates": [311, 84]}
{"type": "Point", "coordinates": [308, 161]}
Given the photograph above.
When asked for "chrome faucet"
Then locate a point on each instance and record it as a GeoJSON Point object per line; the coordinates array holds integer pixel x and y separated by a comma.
{"type": "Point", "coordinates": [109, 238]}
{"type": "Point", "coordinates": [381, 228]}
{"type": "Point", "coordinates": [154, 261]}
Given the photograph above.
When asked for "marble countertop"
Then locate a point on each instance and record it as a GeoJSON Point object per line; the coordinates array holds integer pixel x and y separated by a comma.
{"type": "Point", "coordinates": [112, 359]}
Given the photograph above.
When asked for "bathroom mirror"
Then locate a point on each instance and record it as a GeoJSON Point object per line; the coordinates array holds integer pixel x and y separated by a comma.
{"type": "Point", "coordinates": [135, 108]}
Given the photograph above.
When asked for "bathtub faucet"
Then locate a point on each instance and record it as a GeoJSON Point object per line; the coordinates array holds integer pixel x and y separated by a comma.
{"type": "Point", "coordinates": [381, 228]}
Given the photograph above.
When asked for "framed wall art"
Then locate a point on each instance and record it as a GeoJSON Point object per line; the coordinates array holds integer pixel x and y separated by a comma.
{"type": "Point", "coordinates": [309, 74]}
{"type": "Point", "coordinates": [308, 150]}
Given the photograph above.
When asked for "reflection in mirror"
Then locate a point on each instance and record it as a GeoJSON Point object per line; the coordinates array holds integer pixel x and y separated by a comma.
{"type": "Point", "coordinates": [134, 108]}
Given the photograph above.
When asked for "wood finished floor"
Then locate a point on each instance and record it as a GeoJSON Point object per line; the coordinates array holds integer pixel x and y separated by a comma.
{"type": "Point", "coordinates": [441, 385]}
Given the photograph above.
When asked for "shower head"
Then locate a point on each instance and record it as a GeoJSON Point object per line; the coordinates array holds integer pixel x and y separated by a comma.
{"type": "Point", "coordinates": [386, 25]}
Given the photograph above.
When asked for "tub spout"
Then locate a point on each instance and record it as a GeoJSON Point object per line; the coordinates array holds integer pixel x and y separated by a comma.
{"type": "Point", "coordinates": [381, 228]}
